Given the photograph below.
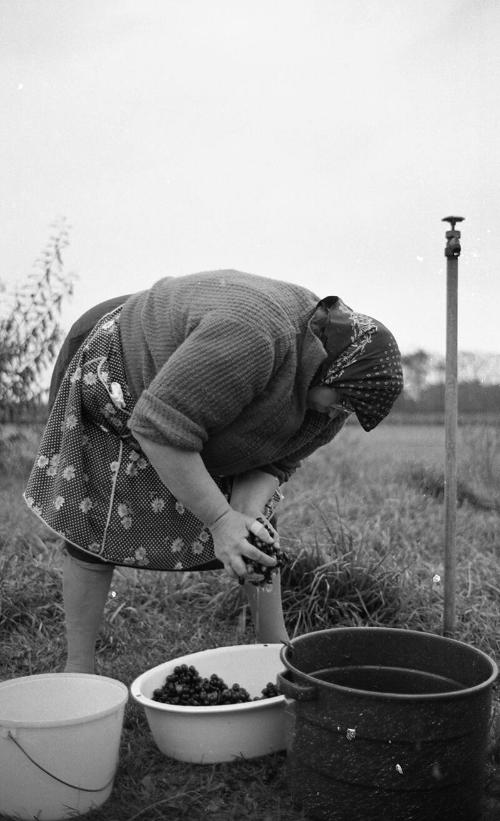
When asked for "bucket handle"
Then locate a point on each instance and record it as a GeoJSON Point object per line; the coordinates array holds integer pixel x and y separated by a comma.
{"type": "Point", "coordinates": [299, 692]}
{"type": "Point", "coordinates": [55, 777]}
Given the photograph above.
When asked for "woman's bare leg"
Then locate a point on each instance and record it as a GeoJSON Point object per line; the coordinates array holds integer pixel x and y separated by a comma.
{"type": "Point", "coordinates": [85, 591]}
{"type": "Point", "coordinates": [267, 611]}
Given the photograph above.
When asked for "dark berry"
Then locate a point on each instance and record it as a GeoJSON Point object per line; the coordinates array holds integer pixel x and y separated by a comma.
{"type": "Point", "coordinates": [261, 575]}
{"type": "Point", "coordinates": [186, 687]}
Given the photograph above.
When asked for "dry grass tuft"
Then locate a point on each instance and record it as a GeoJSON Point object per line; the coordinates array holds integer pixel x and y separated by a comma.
{"type": "Point", "coordinates": [321, 591]}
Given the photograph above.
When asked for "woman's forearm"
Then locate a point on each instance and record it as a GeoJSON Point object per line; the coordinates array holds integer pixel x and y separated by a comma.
{"type": "Point", "coordinates": [252, 490]}
{"type": "Point", "coordinates": [187, 478]}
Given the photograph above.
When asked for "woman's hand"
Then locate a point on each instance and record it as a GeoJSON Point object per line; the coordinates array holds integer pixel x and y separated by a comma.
{"type": "Point", "coordinates": [230, 536]}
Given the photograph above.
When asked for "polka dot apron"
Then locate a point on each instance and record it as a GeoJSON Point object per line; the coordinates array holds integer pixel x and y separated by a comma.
{"type": "Point", "coordinates": [92, 484]}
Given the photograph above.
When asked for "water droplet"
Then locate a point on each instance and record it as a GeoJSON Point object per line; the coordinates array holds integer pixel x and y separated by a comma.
{"type": "Point", "coordinates": [436, 771]}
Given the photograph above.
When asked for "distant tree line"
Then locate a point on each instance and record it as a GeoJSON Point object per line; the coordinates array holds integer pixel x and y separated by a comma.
{"type": "Point", "coordinates": [473, 397]}
{"type": "Point", "coordinates": [424, 392]}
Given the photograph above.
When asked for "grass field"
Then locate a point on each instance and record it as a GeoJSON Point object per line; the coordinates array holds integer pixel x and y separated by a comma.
{"type": "Point", "coordinates": [369, 506]}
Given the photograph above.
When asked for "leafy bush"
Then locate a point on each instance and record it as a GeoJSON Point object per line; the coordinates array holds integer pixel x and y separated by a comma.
{"type": "Point", "coordinates": [29, 330]}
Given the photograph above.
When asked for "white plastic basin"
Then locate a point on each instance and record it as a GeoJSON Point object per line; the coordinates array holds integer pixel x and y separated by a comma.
{"type": "Point", "coordinates": [206, 735]}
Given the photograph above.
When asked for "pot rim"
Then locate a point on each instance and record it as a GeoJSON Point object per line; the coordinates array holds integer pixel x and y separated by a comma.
{"type": "Point", "coordinates": [465, 692]}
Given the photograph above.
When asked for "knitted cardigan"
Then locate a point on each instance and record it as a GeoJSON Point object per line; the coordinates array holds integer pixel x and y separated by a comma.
{"type": "Point", "coordinates": [220, 363]}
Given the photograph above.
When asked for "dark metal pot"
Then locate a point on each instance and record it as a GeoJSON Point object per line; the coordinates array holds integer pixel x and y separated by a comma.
{"type": "Point", "coordinates": [386, 724]}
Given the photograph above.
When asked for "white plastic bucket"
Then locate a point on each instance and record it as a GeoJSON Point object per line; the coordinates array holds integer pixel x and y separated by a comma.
{"type": "Point", "coordinates": [59, 744]}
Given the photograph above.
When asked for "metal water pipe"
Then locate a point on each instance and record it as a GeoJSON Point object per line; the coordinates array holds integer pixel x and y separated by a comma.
{"type": "Point", "coordinates": [451, 252]}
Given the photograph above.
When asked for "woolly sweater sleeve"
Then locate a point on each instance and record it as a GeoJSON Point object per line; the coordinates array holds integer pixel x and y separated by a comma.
{"type": "Point", "coordinates": [206, 383]}
{"type": "Point", "coordinates": [315, 432]}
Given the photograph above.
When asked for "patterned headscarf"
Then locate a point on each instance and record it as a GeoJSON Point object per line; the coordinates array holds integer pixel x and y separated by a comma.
{"type": "Point", "coordinates": [363, 363]}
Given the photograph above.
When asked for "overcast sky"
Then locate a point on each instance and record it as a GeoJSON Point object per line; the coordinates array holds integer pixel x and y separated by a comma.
{"type": "Point", "coordinates": [318, 141]}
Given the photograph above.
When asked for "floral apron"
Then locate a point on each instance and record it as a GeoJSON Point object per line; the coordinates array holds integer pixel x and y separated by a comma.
{"type": "Point", "coordinates": [92, 484]}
